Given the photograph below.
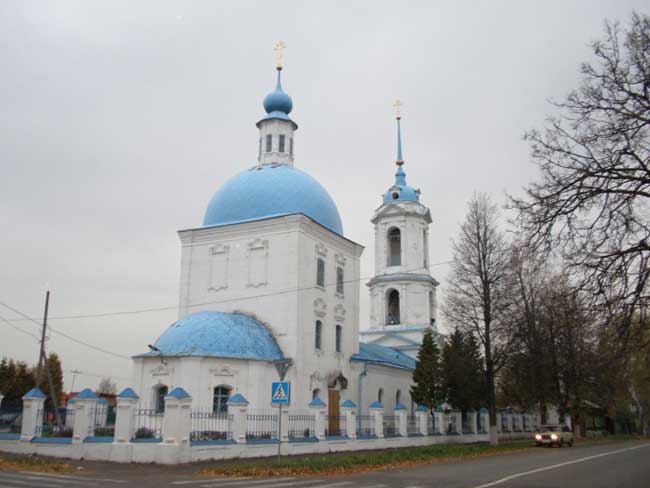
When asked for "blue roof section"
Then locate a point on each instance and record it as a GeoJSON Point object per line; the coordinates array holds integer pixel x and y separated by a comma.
{"type": "Point", "coordinates": [178, 392]}
{"type": "Point", "coordinates": [421, 408]}
{"type": "Point", "coordinates": [237, 399]}
{"type": "Point", "coordinates": [218, 334]}
{"type": "Point", "coordinates": [348, 404]}
{"type": "Point", "coordinates": [272, 190]}
{"type": "Point", "coordinates": [375, 353]}
{"type": "Point", "coordinates": [376, 404]}
{"type": "Point", "coordinates": [317, 402]}
{"type": "Point", "coordinates": [86, 393]}
{"type": "Point", "coordinates": [34, 393]}
{"type": "Point", "coordinates": [102, 401]}
{"type": "Point", "coordinates": [400, 191]}
{"type": "Point", "coordinates": [128, 393]}
{"type": "Point", "coordinates": [400, 406]}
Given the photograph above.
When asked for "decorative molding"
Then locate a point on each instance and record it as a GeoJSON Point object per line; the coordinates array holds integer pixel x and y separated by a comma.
{"type": "Point", "coordinates": [339, 312]}
{"type": "Point", "coordinates": [321, 250]}
{"type": "Point", "coordinates": [257, 257]}
{"type": "Point", "coordinates": [320, 307]}
{"type": "Point", "coordinates": [340, 259]}
{"type": "Point", "coordinates": [161, 370]}
{"type": "Point", "coordinates": [219, 267]}
{"type": "Point", "coordinates": [222, 371]}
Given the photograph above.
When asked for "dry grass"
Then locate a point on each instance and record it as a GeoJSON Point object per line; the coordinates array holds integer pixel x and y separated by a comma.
{"type": "Point", "coordinates": [35, 464]}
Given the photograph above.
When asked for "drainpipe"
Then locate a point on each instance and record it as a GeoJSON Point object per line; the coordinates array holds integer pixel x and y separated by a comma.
{"type": "Point", "coordinates": [359, 397]}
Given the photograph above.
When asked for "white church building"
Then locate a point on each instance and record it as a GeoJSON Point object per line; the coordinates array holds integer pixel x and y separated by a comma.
{"type": "Point", "coordinates": [270, 278]}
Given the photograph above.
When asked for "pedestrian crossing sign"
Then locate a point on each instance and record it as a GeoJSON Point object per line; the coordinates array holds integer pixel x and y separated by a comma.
{"type": "Point", "coordinates": [280, 392]}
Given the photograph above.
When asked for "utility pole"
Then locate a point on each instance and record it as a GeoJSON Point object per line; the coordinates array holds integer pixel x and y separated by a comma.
{"type": "Point", "coordinates": [42, 351]}
{"type": "Point", "coordinates": [74, 372]}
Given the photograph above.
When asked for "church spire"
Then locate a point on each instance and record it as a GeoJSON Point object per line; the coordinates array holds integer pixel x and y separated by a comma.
{"type": "Point", "coordinates": [398, 116]}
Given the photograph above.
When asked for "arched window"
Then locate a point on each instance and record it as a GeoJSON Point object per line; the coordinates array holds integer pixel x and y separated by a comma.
{"type": "Point", "coordinates": [394, 247]}
{"type": "Point", "coordinates": [392, 307]}
{"type": "Point", "coordinates": [380, 395]}
{"type": "Point", "coordinates": [220, 398]}
{"type": "Point", "coordinates": [320, 272]}
{"type": "Point", "coordinates": [318, 332]}
{"type": "Point", "coordinates": [398, 397]}
{"type": "Point", "coordinates": [315, 394]}
{"type": "Point", "coordinates": [269, 140]}
{"type": "Point", "coordinates": [339, 334]}
{"type": "Point", "coordinates": [281, 143]}
{"type": "Point", "coordinates": [339, 280]}
{"type": "Point", "coordinates": [160, 394]}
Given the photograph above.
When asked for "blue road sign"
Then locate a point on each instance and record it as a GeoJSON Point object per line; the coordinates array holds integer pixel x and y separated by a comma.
{"type": "Point", "coordinates": [280, 392]}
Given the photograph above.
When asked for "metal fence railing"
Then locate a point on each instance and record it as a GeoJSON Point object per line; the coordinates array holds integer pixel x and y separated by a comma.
{"type": "Point", "coordinates": [103, 422]}
{"type": "Point", "coordinates": [335, 426]}
{"type": "Point", "coordinates": [391, 426]}
{"type": "Point", "coordinates": [302, 425]}
{"type": "Point", "coordinates": [451, 423]}
{"type": "Point", "coordinates": [467, 424]}
{"type": "Point", "coordinates": [48, 426]}
{"type": "Point", "coordinates": [10, 419]}
{"type": "Point", "coordinates": [148, 422]}
{"type": "Point", "coordinates": [206, 425]}
{"type": "Point", "coordinates": [412, 426]}
{"type": "Point", "coordinates": [261, 425]}
{"type": "Point", "coordinates": [366, 425]}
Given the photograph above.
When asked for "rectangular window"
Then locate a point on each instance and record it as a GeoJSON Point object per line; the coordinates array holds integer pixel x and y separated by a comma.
{"type": "Point", "coordinates": [291, 146]}
{"type": "Point", "coordinates": [317, 334]}
{"type": "Point", "coordinates": [259, 153]}
{"type": "Point", "coordinates": [339, 332]}
{"type": "Point", "coordinates": [320, 272]}
{"type": "Point", "coordinates": [339, 281]}
{"type": "Point", "coordinates": [268, 142]}
{"type": "Point", "coordinates": [281, 144]}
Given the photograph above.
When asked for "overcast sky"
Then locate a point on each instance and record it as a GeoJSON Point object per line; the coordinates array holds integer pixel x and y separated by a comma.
{"type": "Point", "coordinates": [119, 120]}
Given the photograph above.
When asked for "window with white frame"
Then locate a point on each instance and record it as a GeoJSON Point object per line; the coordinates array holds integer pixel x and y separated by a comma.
{"type": "Point", "coordinates": [318, 335]}
{"type": "Point", "coordinates": [339, 337]}
{"type": "Point", "coordinates": [220, 397]}
{"type": "Point", "coordinates": [281, 143]}
{"type": "Point", "coordinates": [320, 272]}
{"type": "Point", "coordinates": [269, 142]}
{"type": "Point", "coordinates": [339, 280]}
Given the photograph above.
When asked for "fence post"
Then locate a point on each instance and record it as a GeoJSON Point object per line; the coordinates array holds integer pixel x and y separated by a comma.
{"type": "Point", "coordinates": [473, 422]}
{"type": "Point", "coordinates": [421, 419]}
{"type": "Point", "coordinates": [458, 417]}
{"type": "Point", "coordinates": [238, 408]}
{"type": "Point", "coordinates": [85, 404]}
{"type": "Point", "coordinates": [377, 411]}
{"type": "Point", "coordinates": [125, 416]}
{"type": "Point", "coordinates": [400, 413]}
{"type": "Point", "coordinates": [440, 421]}
{"type": "Point", "coordinates": [33, 402]}
{"type": "Point", "coordinates": [509, 417]}
{"type": "Point", "coordinates": [318, 406]}
{"type": "Point", "coordinates": [348, 407]}
{"type": "Point", "coordinates": [176, 419]}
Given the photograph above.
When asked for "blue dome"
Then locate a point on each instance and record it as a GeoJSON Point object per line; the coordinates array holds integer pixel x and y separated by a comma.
{"type": "Point", "coordinates": [278, 100]}
{"type": "Point", "coordinates": [272, 190]}
{"type": "Point", "coordinates": [400, 191]}
{"type": "Point", "coordinates": [227, 335]}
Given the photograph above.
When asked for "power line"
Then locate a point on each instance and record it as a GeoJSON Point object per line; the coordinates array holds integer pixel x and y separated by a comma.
{"type": "Point", "coordinates": [7, 322]}
{"type": "Point", "coordinates": [236, 299]}
{"type": "Point", "coordinates": [91, 346]}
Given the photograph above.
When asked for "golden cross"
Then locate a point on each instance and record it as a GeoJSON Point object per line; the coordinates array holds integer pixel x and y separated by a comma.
{"type": "Point", "coordinates": [279, 47]}
{"type": "Point", "coordinates": [397, 106]}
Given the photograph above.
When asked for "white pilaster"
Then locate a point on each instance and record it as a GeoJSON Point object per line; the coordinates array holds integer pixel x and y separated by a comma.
{"type": "Point", "coordinates": [238, 408]}
{"type": "Point", "coordinates": [33, 402]}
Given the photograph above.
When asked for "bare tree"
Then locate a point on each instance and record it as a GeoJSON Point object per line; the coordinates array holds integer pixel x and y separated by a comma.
{"type": "Point", "coordinates": [107, 386]}
{"type": "Point", "coordinates": [593, 201]}
{"type": "Point", "coordinates": [477, 298]}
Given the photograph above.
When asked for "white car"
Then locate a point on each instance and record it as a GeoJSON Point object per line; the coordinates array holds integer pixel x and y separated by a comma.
{"type": "Point", "coordinates": [554, 435]}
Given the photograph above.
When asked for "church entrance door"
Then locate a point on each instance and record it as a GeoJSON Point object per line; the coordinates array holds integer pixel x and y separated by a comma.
{"type": "Point", "coordinates": [333, 413]}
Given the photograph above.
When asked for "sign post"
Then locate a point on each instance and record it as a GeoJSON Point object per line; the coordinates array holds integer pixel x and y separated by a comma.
{"type": "Point", "coordinates": [280, 393]}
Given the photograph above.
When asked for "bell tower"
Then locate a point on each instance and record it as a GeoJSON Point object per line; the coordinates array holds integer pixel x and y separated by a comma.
{"type": "Point", "coordinates": [402, 293]}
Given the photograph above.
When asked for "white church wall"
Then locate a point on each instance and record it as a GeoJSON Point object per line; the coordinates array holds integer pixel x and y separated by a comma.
{"type": "Point", "coordinates": [389, 381]}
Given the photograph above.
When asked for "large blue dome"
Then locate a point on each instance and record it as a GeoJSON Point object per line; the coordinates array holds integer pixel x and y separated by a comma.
{"type": "Point", "coordinates": [226, 335]}
{"type": "Point", "coordinates": [272, 190]}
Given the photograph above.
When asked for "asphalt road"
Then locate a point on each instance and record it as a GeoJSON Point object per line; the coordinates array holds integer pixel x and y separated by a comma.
{"type": "Point", "coordinates": [611, 465]}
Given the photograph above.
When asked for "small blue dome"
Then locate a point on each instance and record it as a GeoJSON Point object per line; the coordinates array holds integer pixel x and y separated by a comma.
{"type": "Point", "coordinates": [272, 190]}
{"type": "Point", "coordinates": [400, 191]}
{"type": "Point", "coordinates": [278, 100]}
{"type": "Point", "coordinates": [220, 334]}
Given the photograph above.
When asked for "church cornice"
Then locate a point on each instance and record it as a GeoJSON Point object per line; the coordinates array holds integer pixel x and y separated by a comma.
{"type": "Point", "coordinates": [400, 209]}
{"type": "Point", "coordinates": [401, 277]}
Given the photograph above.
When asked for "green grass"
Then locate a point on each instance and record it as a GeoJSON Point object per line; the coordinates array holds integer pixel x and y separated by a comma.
{"type": "Point", "coordinates": [38, 464]}
{"type": "Point", "coordinates": [360, 461]}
